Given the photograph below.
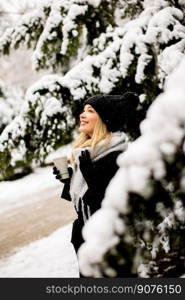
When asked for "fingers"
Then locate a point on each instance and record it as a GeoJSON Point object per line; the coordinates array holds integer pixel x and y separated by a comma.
{"type": "Point", "coordinates": [83, 155]}
{"type": "Point", "coordinates": [55, 171]}
{"type": "Point", "coordinates": [82, 158]}
{"type": "Point", "coordinates": [87, 155]}
{"type": "Point", "coordinates": [85, 162]}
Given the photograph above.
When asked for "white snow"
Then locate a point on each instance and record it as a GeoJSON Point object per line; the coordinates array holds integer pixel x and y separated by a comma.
{"type": "Point", "coordinates": [51, 256]}
{"type": "Point", "coordinates": [94, 3]}
{"type": "Point", "coordinates": [26, 186]}
{"type": "Point", "coordinates": [11, 99]}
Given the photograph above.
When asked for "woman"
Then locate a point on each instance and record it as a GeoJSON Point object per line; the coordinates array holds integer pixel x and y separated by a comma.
{"type": "Point", "coordinates": [95, 152]}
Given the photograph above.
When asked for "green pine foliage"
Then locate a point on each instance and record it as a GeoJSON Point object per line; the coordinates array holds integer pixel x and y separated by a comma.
{"type": "Point", "coordinates": [89, 47]}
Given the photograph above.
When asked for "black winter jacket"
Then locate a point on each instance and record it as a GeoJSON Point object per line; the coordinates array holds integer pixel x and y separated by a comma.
{"type": "Point", "coordinates": [104, 169]}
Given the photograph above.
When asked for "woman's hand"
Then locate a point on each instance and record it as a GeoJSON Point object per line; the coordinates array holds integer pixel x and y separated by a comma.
{"type": "Point", "coordinates": [56, 172]}
{"type": "Point", "coordinates": [86, 167]}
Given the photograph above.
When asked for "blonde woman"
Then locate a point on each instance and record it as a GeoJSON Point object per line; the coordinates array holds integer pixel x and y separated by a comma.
{"type": "Point", "coordinates": [95, 152]}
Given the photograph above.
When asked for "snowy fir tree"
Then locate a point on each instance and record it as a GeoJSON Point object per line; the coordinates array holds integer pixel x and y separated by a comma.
{"type": "Point", "coordinates": [11, 99]}
{"type": "Point", "coordinates": [141, 225]}
{"type": "Point", "coordinates": [88, 47]}
{"type": "Point", "coordinates": [111, 46]}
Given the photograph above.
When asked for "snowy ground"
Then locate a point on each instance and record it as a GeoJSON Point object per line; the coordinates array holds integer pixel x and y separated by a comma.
{"type": "Point", "coordinates": [50, 256]}
{"type": "Point", "coordinates": [11, 193]}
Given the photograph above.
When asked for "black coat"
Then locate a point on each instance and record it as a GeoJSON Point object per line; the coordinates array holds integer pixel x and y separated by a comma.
{"type": "Point", "coordinates": [104, 169]}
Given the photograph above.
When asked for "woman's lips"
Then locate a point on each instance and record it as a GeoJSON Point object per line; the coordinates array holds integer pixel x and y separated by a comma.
{"type": "Point", "coordinates": [83, 123]}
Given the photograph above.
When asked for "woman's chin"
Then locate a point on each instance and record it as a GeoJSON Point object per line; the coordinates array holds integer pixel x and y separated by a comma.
{"type": "Point", "coordinates": [82, 130]}
{"type": "Point", "coordinates": [85, 131]}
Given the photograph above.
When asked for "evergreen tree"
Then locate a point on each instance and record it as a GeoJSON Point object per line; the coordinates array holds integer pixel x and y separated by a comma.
{"type": "Point", "coordinates": [11, 99]}
{"type": "Point", "coordinates": [89, 47]}
{"type": "Point", "coordinates": [141, 225]}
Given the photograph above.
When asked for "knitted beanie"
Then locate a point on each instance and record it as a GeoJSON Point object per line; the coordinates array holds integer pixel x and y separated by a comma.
{"type": "Point", "coordinates": [115, 110]}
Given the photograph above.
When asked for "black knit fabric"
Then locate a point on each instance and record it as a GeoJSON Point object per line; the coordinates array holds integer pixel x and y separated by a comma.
{"type": "Point", "coordinates": [116, 111]}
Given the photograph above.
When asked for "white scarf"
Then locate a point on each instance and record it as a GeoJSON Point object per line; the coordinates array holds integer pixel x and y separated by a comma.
{"type": "Point", "coordinates": [78, 186]}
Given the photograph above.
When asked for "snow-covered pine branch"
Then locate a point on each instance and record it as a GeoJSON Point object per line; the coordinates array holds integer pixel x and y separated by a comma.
{"type": "Point", "coordinates": [26, 32]}
{"type": "Point", "coordinates": [11, 100]}
{"type": "Point", "coordinates": [43, 124]}
{"type": "Point", "coordinates": [132, 56]}
{"type": "Point", "coordinates": [57, 29]}
{"type": "Point", "coordinates": [142, 218]}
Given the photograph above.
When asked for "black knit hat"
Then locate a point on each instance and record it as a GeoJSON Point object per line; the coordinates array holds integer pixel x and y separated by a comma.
{"type": "Point", "coordinates": [115, 110]}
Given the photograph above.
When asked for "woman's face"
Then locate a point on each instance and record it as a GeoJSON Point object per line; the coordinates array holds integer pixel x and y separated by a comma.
{"type": "Point", "coordinates": [88, 119]}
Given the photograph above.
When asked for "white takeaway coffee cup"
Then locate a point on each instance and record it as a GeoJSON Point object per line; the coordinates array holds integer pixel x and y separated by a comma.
{"type": "Point", "coordinates": [62, 165]}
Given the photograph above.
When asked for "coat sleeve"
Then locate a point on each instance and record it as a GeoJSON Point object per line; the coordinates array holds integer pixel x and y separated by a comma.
{"type": "Point", "coordinates": [104, 171]}
{"type": "Point", "coordinates": [65, 192]}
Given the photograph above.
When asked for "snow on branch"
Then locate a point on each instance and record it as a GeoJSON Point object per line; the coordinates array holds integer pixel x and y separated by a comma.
{"type": "Point", "coordinates": [11, 100]}
{"type": "Point", "coordinates": [143, 213]}
{"type": "Point", "coordinates": [44, 123]}
{"type": "Point", "coordinates": [62, 30]}
{"type": "Point", "coordinates": [57, 29]}
{"type": "Point", "coordinates": [165, 25]}
{"type": "Point", "coordinates": [26, 32]}
{"type": "Point", "coordinates": [145, 36]}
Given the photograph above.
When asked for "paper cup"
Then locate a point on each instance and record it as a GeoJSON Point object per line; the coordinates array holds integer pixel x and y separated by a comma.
{"type": "Point", "coordinates": [61, 164]}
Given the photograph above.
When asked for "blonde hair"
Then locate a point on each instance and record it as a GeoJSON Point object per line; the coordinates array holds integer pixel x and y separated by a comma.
{"type": "Point", "coordinates": [100, 132]}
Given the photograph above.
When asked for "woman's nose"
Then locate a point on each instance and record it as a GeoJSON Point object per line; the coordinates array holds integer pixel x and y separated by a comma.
{"type": "Point", "coordinates": [82, 115]}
